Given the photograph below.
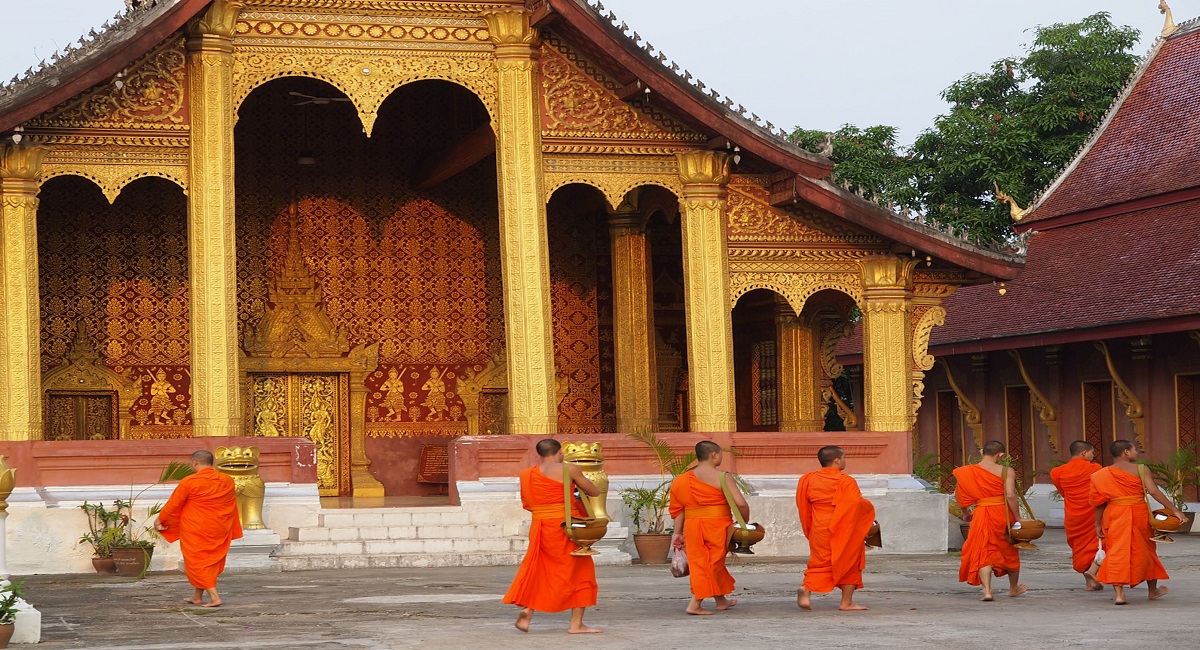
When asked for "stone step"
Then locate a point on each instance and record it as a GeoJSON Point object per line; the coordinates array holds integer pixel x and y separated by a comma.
{"type": "Point", "coordinates": [401, 546]}
{"type": "Point", "coordinates": [398, 560]}
{"type": "Point", "coordinates": [434, 531]}
{"type": "Point", "coordinates": [389, 517]}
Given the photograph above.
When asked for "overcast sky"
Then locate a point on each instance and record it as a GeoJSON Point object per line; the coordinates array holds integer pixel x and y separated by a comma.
{"type": "Point", "coordinates": [813, 63]}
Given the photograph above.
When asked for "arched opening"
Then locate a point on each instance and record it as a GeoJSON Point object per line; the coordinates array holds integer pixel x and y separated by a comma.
{"type": "Point", "coordinates": [831, 315]}
{"type": "Point", "coordinates": [664, 238]}
{"type": "Point", "coordinates": [400, 232]}
{"type": "Point", "coordinates": [113, 284]}
{"type": "Point", "coordinates": [756, 363]}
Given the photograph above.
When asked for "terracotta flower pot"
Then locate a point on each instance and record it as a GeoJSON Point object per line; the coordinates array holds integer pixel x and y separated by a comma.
{"type": "Point", "coordinates": [104, 565]}
{"type": "Point", "coordinates": [652, 549]}
{"type": "Point", "coordinates": [1187, 523]}
{"type": "Point", "coordinates": [6, 632]}
{"type": "Point", "coordinates": [132, 561]}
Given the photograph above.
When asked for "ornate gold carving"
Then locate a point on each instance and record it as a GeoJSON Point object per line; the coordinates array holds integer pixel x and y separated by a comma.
{"type": "Point", "coordinates": [1134, 410]}
{"type": "Point", "coordinates": [375, 31]}
{"type": "Point", "coordinates": [889, 387]}
{"type": "Point", "coordinates": [633, 320]}
{"type": "Point", "coordinates": [523, 236]}
{"type": "Point", "coordinates": [8, 480]}
{"type": "Point", "coordinates": [799, 393]}
{"type": "Point", "coordinates": [242, 464]}
{"type": "Point", "coordinates": [20, 366]}
{"type": "Point", "coordinates": [795, 286]}
{"type": "Point", "coordinates": [849, 419]}
{"type": "Point", "coordinates": [1169, 26]}
{"type": "Point", "coordinates": [706, 288]}
{"type": "Point", "coordinates": [615, 176]}
{"type": "Point", "coordinates": [218, 20]}
{"type": "Point", "coordinates": [589, 457]}
{"type": "Point", "coordinates": [317, 422]}
{"type": "Point", "coordinates": [1014, 209]}
{"type": "Point", "coordinates": [752, 219]}
{"type": "Point", "coordinates": [82, 370]}
{"type": "Point", "coordinates": [971, 413]}
{"type": "Point", "coordinates": [934, 316]}
{"type": "Point", "coordinates": [492, 380]}
{"type": "Point", "coordinates": [1046, 412]}
{"type": "Point", "coordinates": [113, 178]}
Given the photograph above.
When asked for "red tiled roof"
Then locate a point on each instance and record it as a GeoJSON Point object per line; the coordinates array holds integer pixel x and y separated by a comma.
{"type": "Point", "coordinates": [1150, 145]}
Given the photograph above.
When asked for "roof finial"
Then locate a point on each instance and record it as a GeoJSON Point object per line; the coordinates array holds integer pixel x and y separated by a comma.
{"type": "Point", "coordinates": [1016, 211]}
{"type": "Point", "coordinates": [1169, 24]}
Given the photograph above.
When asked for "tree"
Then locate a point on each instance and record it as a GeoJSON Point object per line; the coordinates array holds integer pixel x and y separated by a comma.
{"type": "Point", "coordinates": [1015, 127]}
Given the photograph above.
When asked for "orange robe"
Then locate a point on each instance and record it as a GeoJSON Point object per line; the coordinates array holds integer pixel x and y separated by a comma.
{"type": "Point", "coordinates": [202, 515]}
{"type": "Point", "coordinates": [1130, 556]}
{"type": "Point", "coordinates": [835, 518]}
{"type": "Point", "coordinates": [706, 518]}
{"type": "Point", "coordinates": [987, 541]}
{"type": "Point", "coordinates": [1073, 481]}
{"type": "Point", "coordinates": [550, 579]}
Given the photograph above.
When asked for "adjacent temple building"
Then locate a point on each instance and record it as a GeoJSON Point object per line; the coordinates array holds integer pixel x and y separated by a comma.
{"type": "Point", "coordinates": [348, 231]}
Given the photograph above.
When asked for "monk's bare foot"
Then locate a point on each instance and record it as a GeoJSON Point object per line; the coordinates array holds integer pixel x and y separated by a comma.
{"type": "Point", "coordinates": [1119, 601]}
{"type": "Point", "coordinates": [1017, 591]}
{"type": "Point", "coordinates": [523, 618]}
{"type": "Point", "coordinates": [583, 629]}
{"type": "Point", "coordinates": [804, 599]}
{"type": "Point", "coordinates": [189, 601]}
{"type": "Point", "coordinates": [215, 603]}
{"type": "Point", "coordinates": [724, 603]}
{"type": "Point", "coordinates": [1158, 592]}
{"type": "Point", "coordinates": [852, 608]}
{"type": "Point", "coordinates": [697, 611]}
{"type": "Point", "coordinates": [1092, 583]}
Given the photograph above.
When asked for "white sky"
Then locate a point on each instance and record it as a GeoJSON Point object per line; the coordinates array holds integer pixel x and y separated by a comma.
{"type": "Point", "coordinates": [813, 63]}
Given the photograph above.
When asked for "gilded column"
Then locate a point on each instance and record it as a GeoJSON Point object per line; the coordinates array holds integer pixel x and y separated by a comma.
{"type": "Point", "coordinates": [887, 297]}
{"type": "Point", "coordinates": [633, 322]}
{"type": "Point", "coordinates": [706, 290]}
{"type": "Point", "coordinates": [20, 338]}
{"type": "Point", "coordinates": [524, 253]}
{"type": "Point", "coordinates": [213, 265]}
{"type": "Point", "coordinates": [800, 407]}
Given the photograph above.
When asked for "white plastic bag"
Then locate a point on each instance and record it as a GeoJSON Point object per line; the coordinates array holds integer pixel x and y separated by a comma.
{"type": "Point", "coordinates": [679, 564]}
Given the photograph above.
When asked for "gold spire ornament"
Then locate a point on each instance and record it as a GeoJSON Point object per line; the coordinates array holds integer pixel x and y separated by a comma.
{"type": "Point", "coordinates": [1015, 210]}
{"type": "Point", "coordinates": [1169, 23]}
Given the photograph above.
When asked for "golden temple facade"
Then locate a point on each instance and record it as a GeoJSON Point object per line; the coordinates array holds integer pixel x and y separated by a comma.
{"type": "Point", "coordinates": [385, 224]}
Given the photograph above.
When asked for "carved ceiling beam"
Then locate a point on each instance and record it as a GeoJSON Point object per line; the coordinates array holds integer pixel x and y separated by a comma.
{"type": "Point", "coordinates": [1046, 412]}
{"type": "Point", "coordinates": [973, 415]}
{"type": "Point", "coordinates": [1134, 410]}
{"type": "Point", "coordinates": [542, 14]}
{"type": "Point", "coordinates": [1195, 334]}
{"type": "Point", "coordinates": [472, 148]}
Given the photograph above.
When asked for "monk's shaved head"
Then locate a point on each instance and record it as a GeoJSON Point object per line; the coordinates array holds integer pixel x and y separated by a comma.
{"type": "Point", "coordinates": [548, 447]}
{"type": "Point", "coordinates": [1119, 447]}
{"type": "Point", "coordinates": [993, 447]}
{"type": "Point", "coordinates": [202, 457]}
{"type": "Point", "coordinates": [1080, 446]}
{"type": "Point", "coordinates": [827, 456]}
{"type": "Point", "coordinates": [706, 448]}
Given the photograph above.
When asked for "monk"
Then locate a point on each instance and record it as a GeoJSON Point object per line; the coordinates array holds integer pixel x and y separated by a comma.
{"type": "Point", "coordinates": [550, 579]}
{"type": "Point", "coordinates": [1073, 480]}
{"type": "Point", "coordinates": [1122, 520]}
{"type": "Point", "coordinates": [202, 516]}
{"type": "Point", "coordinates": [702, 517]}
{"type": "Point", "coordinates": [836, 519]}
{"type": "Point", "coordinates": [987, 550]}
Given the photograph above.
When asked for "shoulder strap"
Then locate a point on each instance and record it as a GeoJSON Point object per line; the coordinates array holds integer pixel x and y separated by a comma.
{"type": "Point", "coordinates": [1142, 480]}
{"type": "Point", "coordinates": [567, 496]}
{"type": "Point", "coordinates": [737, 513]}
{"type": "Point", "coordinates": [1004, 491]}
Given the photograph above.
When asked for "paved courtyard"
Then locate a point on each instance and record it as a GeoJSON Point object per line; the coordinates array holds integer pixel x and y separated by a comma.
{"type": "Point", "coordinates": [915, 601]}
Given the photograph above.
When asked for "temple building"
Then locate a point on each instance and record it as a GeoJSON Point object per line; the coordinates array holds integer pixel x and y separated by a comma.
{"type": "Point", "coordinates": [1099, 337]}
{"type": "Point", "coordinates": [354, 231]}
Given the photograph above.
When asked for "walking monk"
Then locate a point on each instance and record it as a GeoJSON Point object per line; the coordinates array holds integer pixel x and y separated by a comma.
{"type": "Point", "coordinates": [702, 517]}
{"type": "Point", "coordinates": [550, 579]}
{"type": "Point", "coordinates": [1073, 480]}
{"type": "Point", "coordinates": [202, 515]}
{"type": "Point", "coordinates": [836, 519]}
{"type": "Point", "coordinates": [1122, 520]}
{"type": "Point", "coordinates": [987, 551]}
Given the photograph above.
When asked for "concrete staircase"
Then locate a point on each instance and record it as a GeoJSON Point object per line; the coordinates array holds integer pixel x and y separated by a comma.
{"type": "Point", "coordinates": [403, 537]}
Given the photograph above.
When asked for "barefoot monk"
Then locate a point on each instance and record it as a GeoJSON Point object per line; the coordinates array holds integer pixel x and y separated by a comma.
{"type": "Point", "coordinates": [1122, 520]}
{"type": "Point", "coordinates": [202, 516]}
{"type": "Point", "coordinates": [550, 579]}
{"type": "Point", "coordinates": [1073, 480]}
{"type": "Point", "coordinates": [702, 517]}
{"type": "Point", "coordinates": [836, 519]}
{"type": "Point", "coordinates": [987, 551]}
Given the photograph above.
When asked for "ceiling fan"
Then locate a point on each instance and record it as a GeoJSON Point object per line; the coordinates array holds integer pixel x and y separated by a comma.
{"type": "Point", "coordinates": [319, 101]}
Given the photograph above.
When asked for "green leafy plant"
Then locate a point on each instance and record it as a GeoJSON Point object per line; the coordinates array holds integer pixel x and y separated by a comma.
{"type": "Point", "coordinates": [104, 528]}
{"type": "Point", "coordinates": [1176, 473]}
{"type": "Point", "coordinates": [117, 527]}
{"type": "Point", "coordinates": [933, 471]}
{"type": "Point", "coordinates": [10, 595]}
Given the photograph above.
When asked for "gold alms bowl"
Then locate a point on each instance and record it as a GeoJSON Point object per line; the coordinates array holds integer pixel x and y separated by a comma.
{"type": "Point", "coordinates": [741, 539]}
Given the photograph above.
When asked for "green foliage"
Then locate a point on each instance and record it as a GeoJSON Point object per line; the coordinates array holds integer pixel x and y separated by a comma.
{"type": "Point", "coordinates": [933, 471]}
{"type": "Point", "coordinates": [117, 527]}
{"type": "Point", "coordinates": [9, 595]}
{"type": "Point", "coordinates": [105, 527]}
{"type": "Point", "coordinates": [1176, 473]}
{"type": "Point", "coordinates": [1016, 126]}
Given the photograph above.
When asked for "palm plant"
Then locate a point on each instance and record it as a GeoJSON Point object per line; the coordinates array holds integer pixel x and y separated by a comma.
{"type": "Point", "coordinates": [1176, 473]}
{"type": "Point", "coordinates": [145, 534]}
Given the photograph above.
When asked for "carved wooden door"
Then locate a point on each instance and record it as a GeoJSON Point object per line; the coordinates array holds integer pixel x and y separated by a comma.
{"type": "Point", "coordinates": [314, 406]}
{"type": "Point", "coordinates": [81, 415]}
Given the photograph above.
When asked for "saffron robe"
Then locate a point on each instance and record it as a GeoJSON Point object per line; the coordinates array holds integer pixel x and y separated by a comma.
{"type": "Point", "coordinates": [1130, 556]}
{"type": "Point", "coordinates": [706, 519]}
{"type": "Point", "coordinates": [1073, 481]}
{"type": "Point", "coordinates": [550, 579]}
{"type": "Point", "coordinates": [202, 516]}
{"type": "Point", "coordinates": [987, 540]}
{"type": "Point", "coordinates": [835, 518]}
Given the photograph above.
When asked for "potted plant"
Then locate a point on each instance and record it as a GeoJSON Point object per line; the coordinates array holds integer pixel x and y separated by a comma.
{"type": "Point", "coordinates": [1175, 475]}
{"type": "Point", "coordinates": [104, 528]}
{"type": "Point", "coordinates": [647, 506]}
{"type": "Point", "coordinates": [133, 546]}
{"type": "Point", "coordinates": [10, 599]}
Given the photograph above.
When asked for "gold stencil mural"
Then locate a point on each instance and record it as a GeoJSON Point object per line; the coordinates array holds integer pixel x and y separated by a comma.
{"type": "Point", "coordinates": [311, 406]}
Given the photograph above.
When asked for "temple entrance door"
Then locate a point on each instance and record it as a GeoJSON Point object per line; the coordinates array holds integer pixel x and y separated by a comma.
{"type": "Point", "coordinates": [81, 415]}
{"type": "Point", "coordinates": [314, 406]}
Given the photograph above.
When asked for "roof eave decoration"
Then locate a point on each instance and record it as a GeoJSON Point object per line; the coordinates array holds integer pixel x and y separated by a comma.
{"type": "Point", "coordinates": [93, 59]}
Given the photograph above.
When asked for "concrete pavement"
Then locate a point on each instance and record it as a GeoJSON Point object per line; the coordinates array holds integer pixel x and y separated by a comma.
{"type": "Point", "coordinates": [915, 601]}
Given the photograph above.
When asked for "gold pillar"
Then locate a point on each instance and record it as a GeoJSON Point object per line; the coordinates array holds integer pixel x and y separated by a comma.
{"type": "Point", "coordinates": [212, 263]}
{"type": "Point", "coordinates": [887, 296]}
{"type": "Point", "coordinates": [20, 327]}
{"type": "Point", "coordinates": [706, 290]}
{"type": "Point", "coordinates": [800, 407]}
{"type": "Point", "coordinates": [633, 321]}
{"type": "Point", "coordinates": [524, 254]}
